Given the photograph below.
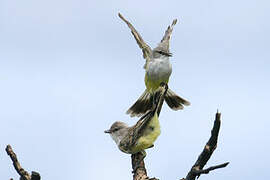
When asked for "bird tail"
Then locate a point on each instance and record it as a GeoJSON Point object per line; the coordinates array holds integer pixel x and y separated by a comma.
{"type": "Point", "coordinates": [174, 101]}
{"type": "Point", "coordinates": [145, 103]}
{"type": "Point", "coordinates": [142, 105]}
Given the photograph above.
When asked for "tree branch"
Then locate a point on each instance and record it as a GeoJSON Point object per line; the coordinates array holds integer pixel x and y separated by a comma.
{"type": "Point", "coordinates": [139, 171]}
{"type": "Point", "coordinates": [23, 174]}
{"type": "Point", "coordinates": [197, 168]}
{"type": "Point", "coordinates": [206, 171]}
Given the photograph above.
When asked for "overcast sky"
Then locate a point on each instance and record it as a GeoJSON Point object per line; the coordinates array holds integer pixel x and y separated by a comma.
{"type": "Point", "coordinates": [69, 69]}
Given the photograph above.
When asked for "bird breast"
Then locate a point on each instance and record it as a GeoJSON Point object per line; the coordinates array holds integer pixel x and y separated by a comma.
{"type": "Point", "coordinates": [150, 134]}
{"type": "Point", "coordinates": [159, 69]}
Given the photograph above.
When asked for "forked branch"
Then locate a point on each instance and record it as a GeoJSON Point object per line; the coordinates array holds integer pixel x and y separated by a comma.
{"type": "Point", "coordinates": [140, 172]}
{"type": "Point", "coordinates": [197, 168]}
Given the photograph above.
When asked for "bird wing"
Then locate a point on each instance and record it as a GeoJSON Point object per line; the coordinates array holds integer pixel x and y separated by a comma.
{"type": "Point", "coordinates": [135, 132]}
{"type": "Point", "coordinates": [147, 51]}
{"type": "Point", "coordinates": [165, 41]}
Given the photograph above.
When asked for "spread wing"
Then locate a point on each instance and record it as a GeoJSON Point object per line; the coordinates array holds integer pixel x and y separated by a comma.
{"type": "Point", "coordinates": [165, 42]}
{"type": "Point", "coordinates": [145, 48]}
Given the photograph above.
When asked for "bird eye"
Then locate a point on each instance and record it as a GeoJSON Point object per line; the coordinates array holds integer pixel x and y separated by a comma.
{"type": "Point", "coordinates": [116, 129]}
{"type": "Point", "coordinates": [163, 53]}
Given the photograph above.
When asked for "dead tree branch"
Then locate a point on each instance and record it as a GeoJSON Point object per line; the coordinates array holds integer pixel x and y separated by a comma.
{"type": "Point", "coordinates": [140, 172]}
{"type": "Point", "coordinates": [23, 174]}
{"type": "Point", "coordinates": [197, 168]}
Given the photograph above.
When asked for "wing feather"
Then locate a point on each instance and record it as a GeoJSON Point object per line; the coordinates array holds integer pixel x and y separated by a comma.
{"type": "Point", "coordinates": [147, 51]}
{"type": "Point", "coordinates": [136, 131]}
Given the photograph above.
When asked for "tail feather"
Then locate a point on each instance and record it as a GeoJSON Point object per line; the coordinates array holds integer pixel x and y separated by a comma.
{"type": "Point", "coordinates": [142, 105]}
{"type": "Point", "coordinates": [174, 101]}
{"type": "Point", "coordinates": [145, 103]}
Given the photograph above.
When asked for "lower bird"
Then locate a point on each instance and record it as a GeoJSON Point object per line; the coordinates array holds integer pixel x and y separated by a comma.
{"type": "Point", "coordinates": [157, 69]}
{"type": "Point", "coordinates": [143, 134]}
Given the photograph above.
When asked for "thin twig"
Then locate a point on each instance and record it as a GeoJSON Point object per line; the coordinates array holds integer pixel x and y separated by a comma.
{"type": "Point", "coordinates": [206, 171]}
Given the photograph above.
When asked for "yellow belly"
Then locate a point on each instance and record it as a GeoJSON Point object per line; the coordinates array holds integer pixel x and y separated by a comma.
{"type": "Point", "coordinates": [150, 135]}
{"type": "Point", "coordinates": [152, 86]}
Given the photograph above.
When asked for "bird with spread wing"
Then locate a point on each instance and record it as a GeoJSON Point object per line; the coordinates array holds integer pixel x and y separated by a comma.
{"type": "Point", "coordinates": [158, 69]}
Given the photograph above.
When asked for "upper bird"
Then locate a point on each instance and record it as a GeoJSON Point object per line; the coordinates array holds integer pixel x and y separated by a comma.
{"type": "Point", "coordinates": [157, 69]}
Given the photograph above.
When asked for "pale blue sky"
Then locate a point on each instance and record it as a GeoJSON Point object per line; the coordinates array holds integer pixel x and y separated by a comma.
{"type": "Point", "coordinates": [69, 69]}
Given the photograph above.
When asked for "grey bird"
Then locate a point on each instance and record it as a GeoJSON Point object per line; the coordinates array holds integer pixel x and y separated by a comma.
{"type": "Point", "coordinates": [157, 69]}
{"type": "Point", "coordinates": [144, 133]}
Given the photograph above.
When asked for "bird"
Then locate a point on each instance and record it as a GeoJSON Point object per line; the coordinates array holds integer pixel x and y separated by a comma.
{"type": "Point", "coordinates": [143, 134]}
{"type": "Point", "coordinates": [157, 69]}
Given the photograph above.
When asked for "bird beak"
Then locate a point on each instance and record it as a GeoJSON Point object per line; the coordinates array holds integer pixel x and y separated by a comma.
{"type": "Point", "coordinates": [169, 54]}
{"type": "Point", "coordinates": [107, 131]}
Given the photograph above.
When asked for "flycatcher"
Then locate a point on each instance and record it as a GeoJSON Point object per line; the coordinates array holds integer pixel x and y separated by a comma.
{"type": "Point", "coordinates": [143, 134]}
{"type": "Point", "coordinates": [157, 69]}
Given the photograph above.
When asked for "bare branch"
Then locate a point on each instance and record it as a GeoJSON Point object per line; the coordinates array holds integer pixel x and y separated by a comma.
{"type": "Point", "coordinates": [197, 168]}
{"type": "Point", "coordinates": [23, 174]}
{"type": "Point", "coordinates": [139, 171]}
{"type": "Point", "coordinates": [138, 165]}
{"type": "Point", "coordinates": [206, 171]}
{"type": "Point", "coordinates": [35, 176]}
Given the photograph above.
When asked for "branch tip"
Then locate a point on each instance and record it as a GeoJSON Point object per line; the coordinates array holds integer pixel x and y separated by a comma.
{"type": "Point", "coordinates": [23, 174]}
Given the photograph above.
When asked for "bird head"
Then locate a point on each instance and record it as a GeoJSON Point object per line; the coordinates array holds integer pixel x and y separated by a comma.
{"type": "Point", "coordinates": [161, 51]}
{"type": "Point", "coordinates": [117, 131]}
